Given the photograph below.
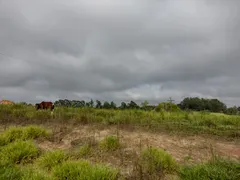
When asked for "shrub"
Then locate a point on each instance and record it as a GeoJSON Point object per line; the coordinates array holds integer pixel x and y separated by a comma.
{"type": "Point", "coordinates": [51, 159]}
{"type": "Point", "coordinates": [19, 152]}
{"type": "Point", "coordinates": [83, 170]}
{"type": "Point", "coordinates": [214, 169]}
{"type": "Point", "coordinates": [110, 143]}
{"type": "Point", "coordinates": [155, 160]}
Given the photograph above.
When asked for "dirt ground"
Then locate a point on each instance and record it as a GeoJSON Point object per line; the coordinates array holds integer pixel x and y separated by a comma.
{"type": "Point", "coordinates": [193, 149]}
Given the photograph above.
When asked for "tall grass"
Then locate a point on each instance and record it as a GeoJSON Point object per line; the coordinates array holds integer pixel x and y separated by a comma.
{"type": "Point", "coordinates": [183, 121]}
{"type": "Point", "coordinates": [22, 133]}
{"type": "Point", "coordinates": [83, 170]}
{"type": "Point", "coordinates": [110, 143]}
{"type": "Point", "coordinates": [51, 159]}
{"type": "Point", "coordinates": [217, 168]}
{"type": "Point", "coordinates": [18, 152]}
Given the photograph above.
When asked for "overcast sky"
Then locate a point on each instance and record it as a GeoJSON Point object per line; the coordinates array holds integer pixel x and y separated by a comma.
{"type": "Point", "coordinates": [120, 50]}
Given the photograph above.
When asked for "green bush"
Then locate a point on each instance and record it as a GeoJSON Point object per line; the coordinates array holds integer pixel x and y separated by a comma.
{"type": "Point", "coordinates": [51, 159]}
{"type": "Point", "coordinates": [215, 169]}
{"type": "Point", "coordinates": [83, 170]}
{"type": "Point", "coordinates": [19, 152]}
{"type": "Point", "coordinates": [154, 160]}
{"type": "Point", "coordinates": [110, 143]}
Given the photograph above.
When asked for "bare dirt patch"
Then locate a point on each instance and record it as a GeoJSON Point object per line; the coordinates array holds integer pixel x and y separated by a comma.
{"type": "Point", "coordinates": [190, 149]}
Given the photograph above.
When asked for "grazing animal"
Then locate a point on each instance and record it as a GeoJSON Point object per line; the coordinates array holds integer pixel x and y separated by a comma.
{"type": "Point", "coordinates": [45, 105]}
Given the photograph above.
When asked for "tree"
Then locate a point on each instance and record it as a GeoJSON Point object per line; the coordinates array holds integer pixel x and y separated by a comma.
{"type": "Point", "coordinates": [106, 105]}
{"type": "Point", "coordinates": [98, 104]}
{"type": "Point", "coordinates": [91, 103]}
{"type": "Point", "coordinates": [133, 105]}
{"type": "Point", "coordinates": [232, 110]}
{"type": "Point", "coordinates": [113, 105]}
{"type": "Point", "coordinates": [197, 104]}
{"type": "Point", "coordinates": [144, 104]}
{"type": "Point", "coordinates": [167, 106]}
{"type": "Point", "coordinates": [123, 105]}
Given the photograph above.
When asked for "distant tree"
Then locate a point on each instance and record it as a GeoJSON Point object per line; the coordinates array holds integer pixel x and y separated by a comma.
{"type": "Point", "coordinates": [197, 104]}
{"type": "Point", "coordinates": [113, 105]}
{"type": "Point", "coordinates": [133, 105]}
{"type": "Point", "coordinates": [232, 110]}
{"type": "Point", "coordinates": [98, 104]}
{"type": "Point", "coordinates": [106, 105]}
{"type": "Point", "coordinates": [167, 106]}
{"type": "Point", "coordinates": [144, 105]}
{"type": "Point", "coordinates": [91, 103]}
{"type": "Point", "coordinates": [23, 103]}
{"type": "Point", "coordinates": [123, 105]}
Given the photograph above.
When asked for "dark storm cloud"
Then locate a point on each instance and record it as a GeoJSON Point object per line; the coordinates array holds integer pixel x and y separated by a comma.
{"type": "Point", "coordinates": [119, 50]}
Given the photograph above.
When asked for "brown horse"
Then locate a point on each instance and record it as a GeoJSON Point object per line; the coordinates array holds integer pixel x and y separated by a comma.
{"type": "Point", "coordinates": [45, 105]}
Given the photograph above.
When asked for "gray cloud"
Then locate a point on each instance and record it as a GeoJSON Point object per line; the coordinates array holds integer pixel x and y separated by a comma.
{"type": "Point", "coordinates": [119, 50]}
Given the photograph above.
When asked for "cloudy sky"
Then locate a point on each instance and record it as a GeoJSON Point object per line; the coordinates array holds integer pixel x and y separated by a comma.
{"type": "Point", "coordinates": [119, 50]}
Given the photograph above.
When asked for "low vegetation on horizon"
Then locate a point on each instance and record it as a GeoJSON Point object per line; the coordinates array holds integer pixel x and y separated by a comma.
{"type": "Point", "coordinates": [165, 117]}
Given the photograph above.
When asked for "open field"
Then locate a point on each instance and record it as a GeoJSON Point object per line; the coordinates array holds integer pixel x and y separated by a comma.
{"type": "Point", "coordinates": [117, 144]}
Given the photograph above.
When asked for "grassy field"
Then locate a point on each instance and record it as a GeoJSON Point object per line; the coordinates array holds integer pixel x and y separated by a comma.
{"type": "Point", "coordinates": [176, 122]}
{"type": "Point", "coordinates": [65, 145]}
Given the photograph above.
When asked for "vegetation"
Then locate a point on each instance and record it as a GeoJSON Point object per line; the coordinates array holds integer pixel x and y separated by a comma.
{"type": "Point", "coordinates": [21, 158]}
{"type": "Point", "coordinates": [82, 170]}
{"type": "Point", "coordinates": [26, 133]}
{"type": "Point", "coordinates": [202, 122]}
{"type": "Point", "coordinates": [154, 163]}
{"type": "Point", "coordinates": [217, 168]}
{"type": "Point", "coordinates": [51, 159]}
{"type": "Point", "coordinates": [110, 143]}
{"type": "Point", "coordinates": [18, 152]}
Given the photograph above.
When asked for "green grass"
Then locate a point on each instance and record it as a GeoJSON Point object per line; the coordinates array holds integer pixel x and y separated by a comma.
{"type": "Point", "coordinates": [110, 143]}
{"type": "Point", "coordinates": [51, 158]}
{"type": "Point", "coordinates": [85, 150]}
{"type": "Point", "coordinates": [155, 160]}
{"type": "Point", "coordinates": [22, 133]}
{"type": "Point", "coordinates": [29, 173]}
{"type": "Point", "coordinates": [181, 122]}
{"type": "Point", "coordinates": [18, 152]}
{"type": "Point", "coordinates": [20, 159]}
{"type": "Point", "coordinates": [9, 172]}
{"type": "Point", "coordinates": [84, 170]}
{"type": "Point", "coordinates": [217, 168]}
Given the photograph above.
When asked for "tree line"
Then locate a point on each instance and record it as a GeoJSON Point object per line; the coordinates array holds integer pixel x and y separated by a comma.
{"type": "Point", "coordinates": [189, 103]}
